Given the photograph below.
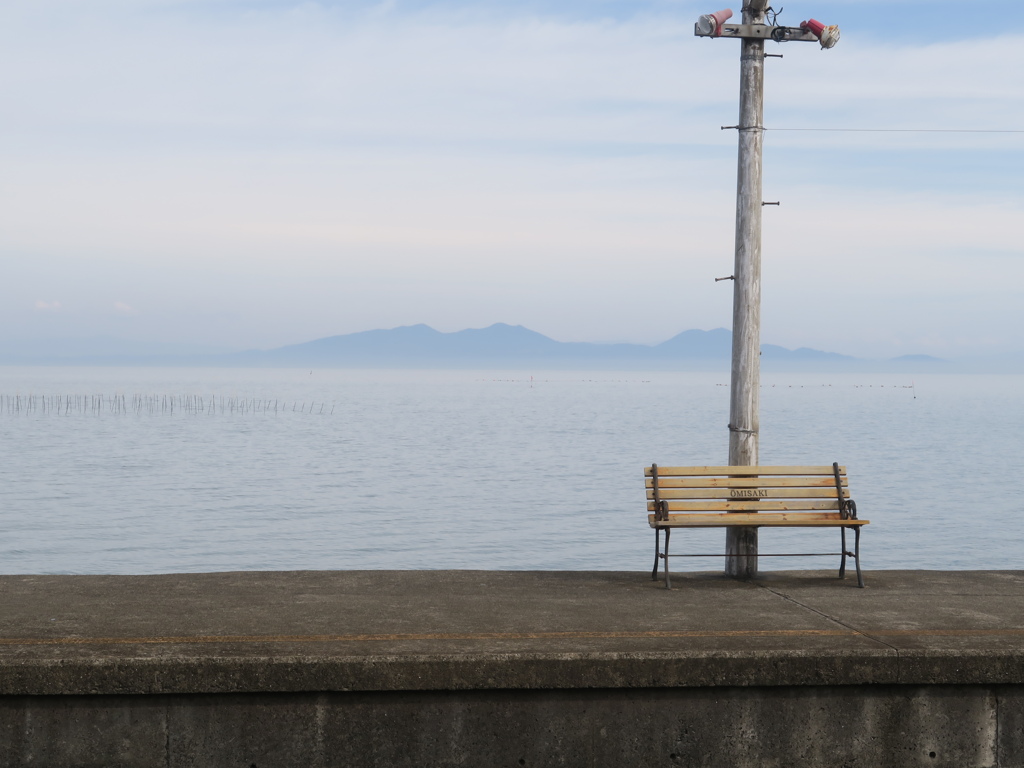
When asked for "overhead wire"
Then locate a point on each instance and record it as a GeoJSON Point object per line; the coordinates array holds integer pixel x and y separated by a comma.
{"type": "Point", "coordinates": [901, 130]}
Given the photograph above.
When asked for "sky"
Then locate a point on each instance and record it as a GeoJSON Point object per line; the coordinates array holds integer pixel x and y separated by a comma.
{"type": "Point", "coordinates": [252, 173]}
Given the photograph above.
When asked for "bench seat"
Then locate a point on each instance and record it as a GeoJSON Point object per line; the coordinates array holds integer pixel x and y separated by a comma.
{"type": "Point", "coordinates": [754, 519]}
{"type": "Point", "coordinates": [755, 497]}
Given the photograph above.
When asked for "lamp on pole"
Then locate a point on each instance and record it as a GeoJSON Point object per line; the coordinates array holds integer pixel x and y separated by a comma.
{"type": "Point", "coordinates": [744, 394]}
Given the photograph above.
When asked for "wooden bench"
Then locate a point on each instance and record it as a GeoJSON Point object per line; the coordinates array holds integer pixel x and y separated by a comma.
{"type": "Point", "coordinates": [720, 497]}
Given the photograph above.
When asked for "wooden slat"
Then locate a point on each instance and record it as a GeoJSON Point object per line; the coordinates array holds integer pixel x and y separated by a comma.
{"type": "Point", "coordinates": [745, 506]}
{"type": "Point", "coordinates": [744, 482]}
{"type": "Point", "coordinates": [754, 517]}
{"type": "Point", "coordinates": [741, 494]}
{"type": "Point", "coordinates": [732, 470]}
{"type": "Point", "coordinates": [802, 520]}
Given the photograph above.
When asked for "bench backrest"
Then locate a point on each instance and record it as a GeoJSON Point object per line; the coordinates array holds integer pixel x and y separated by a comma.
{"type": "Point", "coordinates": [680, 490]}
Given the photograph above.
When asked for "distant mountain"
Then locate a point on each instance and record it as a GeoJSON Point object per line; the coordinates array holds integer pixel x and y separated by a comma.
{"type": "Point", "coordinates": [497, 346]}
{"type": "Point", "coordinates": [502, 344]}
{"type": "Point", "coordinates": [804, 354]}
{"type": "Point", "coordinates": [409, 345]}
{"type": "Point", "coordinates": [698, 344]}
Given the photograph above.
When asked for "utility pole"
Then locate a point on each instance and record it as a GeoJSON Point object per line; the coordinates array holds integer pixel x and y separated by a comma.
{"type": "Point", "coordinates": [744, 394]}
{"type": "Point", "coordinates": [745, 390]}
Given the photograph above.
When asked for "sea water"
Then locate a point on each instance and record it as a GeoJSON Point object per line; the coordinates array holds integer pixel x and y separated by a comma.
{"type": "Point", "coordinates": [108, 470]}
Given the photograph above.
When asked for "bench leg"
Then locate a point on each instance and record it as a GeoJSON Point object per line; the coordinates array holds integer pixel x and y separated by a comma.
{"type": "Point", "coordinates": [657, 552]}
{"type": "Point", "coordinates": [856, 535]}
{"type": "Point", "coordinates": [842, 563]}
{"type": "Point", "coordinates": [668, 583]}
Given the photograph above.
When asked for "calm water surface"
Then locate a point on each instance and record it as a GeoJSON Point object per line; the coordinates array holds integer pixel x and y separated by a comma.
{"type": "Point", "coordinates": [467, 469]}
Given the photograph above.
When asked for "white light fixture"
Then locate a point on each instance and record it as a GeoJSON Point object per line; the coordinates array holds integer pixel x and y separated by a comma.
{"type": "Point", "coordinates": [710, 24]}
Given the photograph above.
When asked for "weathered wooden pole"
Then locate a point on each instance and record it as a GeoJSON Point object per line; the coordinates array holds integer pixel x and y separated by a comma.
{"type": "Point", "coordinates": [744, 419]}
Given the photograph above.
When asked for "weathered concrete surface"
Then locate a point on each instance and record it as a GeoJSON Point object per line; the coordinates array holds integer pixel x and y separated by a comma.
{"type": "Point", "coordinates": [512, 668]}
{"type": "Point", "coordinates": [430, 630]}
{"type": "Point", "coordinates": [862, 726]}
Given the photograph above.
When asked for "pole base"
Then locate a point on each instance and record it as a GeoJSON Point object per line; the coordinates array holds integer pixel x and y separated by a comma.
{"type": "Point", "coordinates": [741, 545]}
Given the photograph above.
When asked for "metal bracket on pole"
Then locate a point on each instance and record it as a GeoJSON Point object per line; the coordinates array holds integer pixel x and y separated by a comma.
{"type": "Point", "coordinates": [742, 431]}
{"type": "Point", "coordinates": [760, 32]}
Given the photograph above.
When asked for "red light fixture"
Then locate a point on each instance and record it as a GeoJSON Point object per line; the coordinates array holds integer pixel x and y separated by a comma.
{"type": "Point", "coordinates": [827, 35]}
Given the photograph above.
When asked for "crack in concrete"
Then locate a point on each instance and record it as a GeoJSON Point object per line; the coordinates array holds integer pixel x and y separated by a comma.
{"type": "Point", "coordinates": [833, 619]}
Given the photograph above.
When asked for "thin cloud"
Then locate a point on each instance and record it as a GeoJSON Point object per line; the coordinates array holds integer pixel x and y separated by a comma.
{"type": "Point", "coordinates": [361, 164]}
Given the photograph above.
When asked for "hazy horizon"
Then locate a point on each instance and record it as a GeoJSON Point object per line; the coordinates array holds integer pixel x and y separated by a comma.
{"type": "Point", "coordinates": [421, 345]}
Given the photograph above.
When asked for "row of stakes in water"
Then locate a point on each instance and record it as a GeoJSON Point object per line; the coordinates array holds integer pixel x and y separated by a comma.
{"type": "Point", "coordinates": [154, 404]}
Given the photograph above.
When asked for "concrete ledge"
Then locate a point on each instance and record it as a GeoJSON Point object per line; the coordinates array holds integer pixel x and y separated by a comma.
{"type": "Point", "coordinates": [464, 630]}
{"type": "Point", "coordinates": [512, 668]}
{"type": "Point", "coordinates": [812, 726]}
{"type": "Point", "coordinates": [256, 674]}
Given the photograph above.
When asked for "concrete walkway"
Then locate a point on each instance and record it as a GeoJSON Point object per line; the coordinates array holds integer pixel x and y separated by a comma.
{"type": "Point", "coordinates": [450, 630]}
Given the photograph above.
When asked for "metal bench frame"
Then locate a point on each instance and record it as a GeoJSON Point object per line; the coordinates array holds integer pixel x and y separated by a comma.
{"type": "Point", "coordinates": [846, 508]}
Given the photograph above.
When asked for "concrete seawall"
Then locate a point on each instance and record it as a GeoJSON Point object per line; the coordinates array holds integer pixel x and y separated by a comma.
{"type": "Point", "coordinates": [446, 668]}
